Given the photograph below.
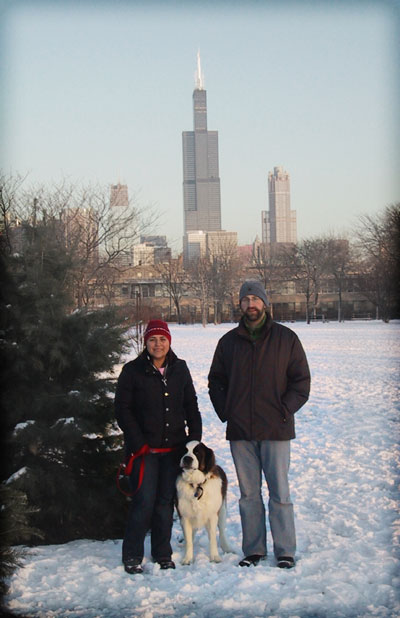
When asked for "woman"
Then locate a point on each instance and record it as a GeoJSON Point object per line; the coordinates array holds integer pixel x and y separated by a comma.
{"type": "Point", "coordinates": [156, 408]}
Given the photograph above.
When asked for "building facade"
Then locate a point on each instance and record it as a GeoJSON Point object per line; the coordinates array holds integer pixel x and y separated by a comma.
{"type": "Point", "coordinates": [221, 243]}
{"type": "Point", "coordinates": [194, 246]}
{"type": "Point", "coordinates": [279, 224]}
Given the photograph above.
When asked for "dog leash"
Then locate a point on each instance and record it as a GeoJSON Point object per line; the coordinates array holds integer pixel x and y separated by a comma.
{"type": "Point", "coordinates": [125, 468]}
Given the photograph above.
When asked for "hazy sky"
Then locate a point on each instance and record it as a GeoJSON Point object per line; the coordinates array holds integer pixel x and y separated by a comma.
{"type": "Point", "coordinates": [101, 92]}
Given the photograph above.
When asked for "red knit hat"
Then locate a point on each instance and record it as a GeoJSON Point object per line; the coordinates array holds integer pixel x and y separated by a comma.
{"type": "Point", "coordinates": [157, 327]}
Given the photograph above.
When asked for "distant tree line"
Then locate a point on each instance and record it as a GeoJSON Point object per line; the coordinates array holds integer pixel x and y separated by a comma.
{"type": "Point", "coordinates": [210, 279]}
{"type": "Point", "coordinates": [368, 263]}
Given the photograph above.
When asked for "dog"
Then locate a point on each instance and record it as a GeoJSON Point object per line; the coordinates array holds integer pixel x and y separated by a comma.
{"type": "Point", "coordinates": [201, 499]}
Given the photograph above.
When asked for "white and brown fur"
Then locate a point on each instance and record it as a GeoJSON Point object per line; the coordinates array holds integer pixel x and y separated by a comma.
{"type": "Point", "coordinates": [201, 499]}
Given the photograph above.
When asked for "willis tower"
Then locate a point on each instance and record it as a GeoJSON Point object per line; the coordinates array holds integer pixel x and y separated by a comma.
{"type": "Point", "coordinates": [201, 183]}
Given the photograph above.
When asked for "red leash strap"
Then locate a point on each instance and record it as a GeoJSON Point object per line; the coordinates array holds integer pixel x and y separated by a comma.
{"type": "Point", "coordinates": [125, 468]}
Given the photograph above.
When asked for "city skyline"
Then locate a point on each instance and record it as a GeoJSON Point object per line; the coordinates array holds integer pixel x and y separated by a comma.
{"type": "Point", "coordinates": [100, 94]}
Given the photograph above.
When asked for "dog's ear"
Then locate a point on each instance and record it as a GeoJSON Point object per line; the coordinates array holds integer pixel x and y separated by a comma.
{"type": "Point", "coordinates": [209, 459]}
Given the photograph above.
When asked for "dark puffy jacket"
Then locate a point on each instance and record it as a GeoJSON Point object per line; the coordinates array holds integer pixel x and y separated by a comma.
{"type": "Point", "coordinates": [155, 410]}
{"type": "Point", "coordinates": [258, 386]}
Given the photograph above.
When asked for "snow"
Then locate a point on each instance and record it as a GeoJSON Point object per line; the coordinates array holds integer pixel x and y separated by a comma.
{"type": "Point", "coordinates": [16, 475]}
{"type": "Point", "coordinates": [23, 425]}
{"type": "Point", "coordinates": [345, 462]}
{"type": "Point", "coordinates": [65, 421]}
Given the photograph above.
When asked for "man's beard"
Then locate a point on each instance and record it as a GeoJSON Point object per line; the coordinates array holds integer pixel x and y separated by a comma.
{"type": "Point", "coordinates": [254, 315]}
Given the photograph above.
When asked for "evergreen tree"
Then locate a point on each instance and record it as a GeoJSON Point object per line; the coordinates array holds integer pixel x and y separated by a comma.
{"type": "Point", "coordinates": [61, 450]}
{"type": "Point", "coordinates": [14, 528]}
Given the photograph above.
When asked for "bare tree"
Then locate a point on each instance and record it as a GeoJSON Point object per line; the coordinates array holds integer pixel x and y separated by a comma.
{"type": "Point", "coordinates": [101, 237]}
{"type": "Point", "coordinates": [213, 278]}
{"type": "Point", "coordinates": [98, 237]}
{"type": "Point", "coordinates": [137, 316]}
{"type": "Point", "coordinates": [379, 252]}
{"type": "Point", "coordinates": [339, 262]}
{"type": "Point", "coordinates": [265, 262]}
{"type": "Point", "coordinates": [199, 284]}
{"type": "Point", "coordinates": [274, 266]}
{"type": "Point", "coordinates": [173, 279]}
{"type": "Point", "coordinates": [224, 273]}
{"type": "Point", "coordinates": [10, 189]}
{"type": "Point", "coordinates": [305, 264]}
{"type": "Point", "coordinates": [105, 282]}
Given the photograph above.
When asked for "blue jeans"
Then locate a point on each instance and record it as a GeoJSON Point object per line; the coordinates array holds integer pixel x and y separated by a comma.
{"type": "Point", "coordinates": [251, 458]}
{"type": "Point", "coordinates": [152, 507]}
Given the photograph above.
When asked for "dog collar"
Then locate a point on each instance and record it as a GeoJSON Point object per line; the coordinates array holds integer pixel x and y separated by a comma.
{"type": "Point", "coordinates": [199, 489]}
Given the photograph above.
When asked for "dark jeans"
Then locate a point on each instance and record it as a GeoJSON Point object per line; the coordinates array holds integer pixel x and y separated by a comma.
{"type": "Point", "coordinates": [152, 507]}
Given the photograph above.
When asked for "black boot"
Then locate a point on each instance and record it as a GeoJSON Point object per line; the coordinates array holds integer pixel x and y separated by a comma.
{"type": "Point", "coordinates": [133, 565]}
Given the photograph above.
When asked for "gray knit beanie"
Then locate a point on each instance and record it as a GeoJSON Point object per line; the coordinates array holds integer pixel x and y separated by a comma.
{"type": "Point", "coordinates": [255, 288]}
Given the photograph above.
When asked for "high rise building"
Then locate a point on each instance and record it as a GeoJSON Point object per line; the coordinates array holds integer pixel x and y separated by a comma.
{"type": "Point", "coordinates": [279, 223]}
{"type": "Point", "coordinates": [155, 241]}
{"type": "Point", "coordinates": [162, 253]}
{"type": "Point", "coordinates": [194, 246]}
{"type": "Point", "coordinates": [119, 195]}
{"type": "Point", "coordinates": [201, 183]}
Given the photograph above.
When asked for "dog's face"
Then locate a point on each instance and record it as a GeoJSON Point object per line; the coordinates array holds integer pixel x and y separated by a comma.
{"type": "Point", "coordinates": [197, 457]}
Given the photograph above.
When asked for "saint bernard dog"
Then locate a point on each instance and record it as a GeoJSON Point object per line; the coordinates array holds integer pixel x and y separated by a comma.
{"type": "Point", "coordinates": [201, 499]}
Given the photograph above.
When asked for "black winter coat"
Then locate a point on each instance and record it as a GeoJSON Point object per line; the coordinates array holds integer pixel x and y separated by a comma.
{"type": "Point", "coordinates": [258, 386]}
{"type": "Point", "coordinates": [157, 410]}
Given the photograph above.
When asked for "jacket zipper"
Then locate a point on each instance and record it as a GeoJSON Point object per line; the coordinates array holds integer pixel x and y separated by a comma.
{"type": "Point", "coordinates": [252, 389]}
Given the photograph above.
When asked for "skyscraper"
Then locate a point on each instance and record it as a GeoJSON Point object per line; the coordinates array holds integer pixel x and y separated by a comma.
{"type": "Point", "coordinates": [119, 195]}
{"type": "Point", "coordinates": [201, 183]}
{"type": "Point", "coordinates": [279, 223]}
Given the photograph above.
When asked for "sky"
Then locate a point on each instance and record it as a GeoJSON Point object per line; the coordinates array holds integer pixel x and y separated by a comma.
{"type": "Point", "coordinates": [101, 92]}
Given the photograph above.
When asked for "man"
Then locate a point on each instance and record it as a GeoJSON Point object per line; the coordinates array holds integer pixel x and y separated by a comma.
{"type": "Point", "coordinates": [258, 379]}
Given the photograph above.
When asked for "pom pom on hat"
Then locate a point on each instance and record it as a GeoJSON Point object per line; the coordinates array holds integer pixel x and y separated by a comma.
{"type": "Point", "coordinates": [157, 327]}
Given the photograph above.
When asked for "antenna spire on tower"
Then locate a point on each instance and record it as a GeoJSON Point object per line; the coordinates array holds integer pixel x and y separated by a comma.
{"type": "Point", "coordinates": [199, 77]}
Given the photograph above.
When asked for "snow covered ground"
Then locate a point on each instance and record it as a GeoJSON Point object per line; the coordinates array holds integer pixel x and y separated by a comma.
{"type": "Point", "coordinates": [344, 474]}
